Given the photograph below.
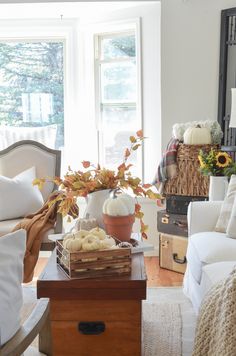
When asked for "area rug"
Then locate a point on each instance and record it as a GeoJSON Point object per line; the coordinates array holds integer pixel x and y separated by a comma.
{"type": "Point", "coordinates": [162, 329]}
{"type": "Point", "coordinates": [168, 321]}
{"type": "Point", "coordinates": [174, 296]}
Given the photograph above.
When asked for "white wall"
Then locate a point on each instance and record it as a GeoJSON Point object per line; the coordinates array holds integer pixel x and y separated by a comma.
{"type": "Point", "coordinates": [190, 36]}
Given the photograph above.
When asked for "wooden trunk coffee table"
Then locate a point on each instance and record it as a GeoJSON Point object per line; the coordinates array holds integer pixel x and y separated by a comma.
{"type": "Point", "coordinates": [95, 317]}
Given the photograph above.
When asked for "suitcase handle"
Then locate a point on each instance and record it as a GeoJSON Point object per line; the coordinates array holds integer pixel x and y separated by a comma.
{"type": "Point", "coordinates": [180, 223]}
{"type": "Point", "coordinates": [178, 260]}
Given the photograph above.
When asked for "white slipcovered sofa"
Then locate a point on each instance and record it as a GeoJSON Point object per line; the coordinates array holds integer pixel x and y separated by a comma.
{"type": "Point", "coordinates": [211, 255]}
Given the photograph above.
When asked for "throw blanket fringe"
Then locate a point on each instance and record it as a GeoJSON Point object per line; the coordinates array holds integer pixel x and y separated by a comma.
{"type": "Point", "coordinates": [216, 326]}
{"type": "Point", "coordinates": [167, 168]}
{"type": "Point", "coordinates": [36, 226]}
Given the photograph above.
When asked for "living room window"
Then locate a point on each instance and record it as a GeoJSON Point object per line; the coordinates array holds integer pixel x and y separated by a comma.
{"type": "Point", "coordinates": [117, 86]}
{"type": "Point", "coordinates": [32, 91]}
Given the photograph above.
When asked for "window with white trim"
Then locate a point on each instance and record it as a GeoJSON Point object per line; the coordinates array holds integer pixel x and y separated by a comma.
{"type": "Point", "coordinates": [117, 84]}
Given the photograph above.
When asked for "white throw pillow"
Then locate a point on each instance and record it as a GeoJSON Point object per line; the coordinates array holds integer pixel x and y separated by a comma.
{"type": "Point", "coordinates": [231, 228]}
{"type": "Point", "coordinates": [18, 197]}
{"type": "Point", "coordinates": [12, 251]}
{"type": "Point", "coordinates": [227, 206]}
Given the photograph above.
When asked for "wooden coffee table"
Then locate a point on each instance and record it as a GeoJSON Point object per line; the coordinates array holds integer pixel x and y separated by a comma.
{"type": "Point", "coordinates": [94, 317]}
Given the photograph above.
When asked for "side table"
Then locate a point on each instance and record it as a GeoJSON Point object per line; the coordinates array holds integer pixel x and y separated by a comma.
{"type": "Point", "coordinates": [95, 316]}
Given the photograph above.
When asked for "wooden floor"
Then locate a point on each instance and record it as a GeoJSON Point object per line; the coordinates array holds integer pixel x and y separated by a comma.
{"type": "Point", "coordinates": [160, 277]}
{"type": "Point", "coordinates": [157, 277]}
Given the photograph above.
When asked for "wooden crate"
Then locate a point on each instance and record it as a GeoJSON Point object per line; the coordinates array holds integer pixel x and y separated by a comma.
{"type": "Point", "coordinates": [172, 250]}
{"type": "Point", "coordinates": [93, 264]}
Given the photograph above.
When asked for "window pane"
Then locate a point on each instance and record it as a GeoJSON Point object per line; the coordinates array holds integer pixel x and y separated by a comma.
{"type": "Point", "coordinates": [31, 91]}
{"type": "Point", "coordinates": [118, 47]}
{"type": "Point", "coordinates": [118, 81]}
{"type": "Point", "coordinates": [117, 126]}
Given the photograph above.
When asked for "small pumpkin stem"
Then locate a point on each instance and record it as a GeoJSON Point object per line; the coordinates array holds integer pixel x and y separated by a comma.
{"type": "Point", "coordinates": [198, 127]}
{"type": "Point", "coordinates": [114, 193]}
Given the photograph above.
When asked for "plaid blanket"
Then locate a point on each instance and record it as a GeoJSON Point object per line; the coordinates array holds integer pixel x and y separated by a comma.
{"type": "Point", "coordinates": [167, 168]}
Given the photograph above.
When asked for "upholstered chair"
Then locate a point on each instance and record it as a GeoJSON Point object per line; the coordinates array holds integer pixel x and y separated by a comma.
{"type": "Point", "coordinates": [20, 157]}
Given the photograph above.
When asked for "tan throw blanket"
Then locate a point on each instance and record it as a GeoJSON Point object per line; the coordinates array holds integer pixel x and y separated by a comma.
{"type": "Point", "coordinates": [216, 326]}
{"type": "Point", "coordinates": [36, 225]}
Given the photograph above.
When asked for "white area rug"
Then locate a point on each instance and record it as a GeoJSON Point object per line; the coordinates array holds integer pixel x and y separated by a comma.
{"type": "Point", "coordinates": [168, 321]}
{"type": "Point", "coordinates": [174, 296]}
{"type": "Point", "coordinates": [162, 329]}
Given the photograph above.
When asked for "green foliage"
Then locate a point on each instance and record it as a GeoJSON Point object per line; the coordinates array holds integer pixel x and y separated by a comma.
{"type": "Point", "coordinates": [230, 170]}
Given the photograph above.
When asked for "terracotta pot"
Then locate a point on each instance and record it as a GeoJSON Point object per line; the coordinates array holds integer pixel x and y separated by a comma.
{"type": "Point", "coordinates": [119, 226]}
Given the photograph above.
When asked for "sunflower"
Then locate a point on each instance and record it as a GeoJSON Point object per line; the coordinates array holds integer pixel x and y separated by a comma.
{"type": "Point", "coordinates": [223, 159]}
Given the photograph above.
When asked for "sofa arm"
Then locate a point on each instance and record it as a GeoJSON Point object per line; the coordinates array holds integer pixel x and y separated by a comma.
{"type": "Point", "coordinates": [202, 216]}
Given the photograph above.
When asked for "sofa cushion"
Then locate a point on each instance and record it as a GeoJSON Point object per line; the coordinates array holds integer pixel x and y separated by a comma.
{"type": "Point", "coordinates": [18, 195]}
{"type": "Point", "coordinates": [209, 247]}
{"type": "Point", "coordinates": [215, 272]}
{"type": "Point", "coordinates": [12, 250]}
{"type": "Point", "coordinates": [227, 206]}
{"type": "Point", "coordinates": [7, 226]}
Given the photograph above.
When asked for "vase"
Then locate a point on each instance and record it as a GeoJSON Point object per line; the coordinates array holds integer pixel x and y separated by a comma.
{"type": "Point", "coordinates": [218, 187]}
{"type": "Point", "coordinates": [119, 226]}
{"type": "Point", "coordinates": [94, 205]}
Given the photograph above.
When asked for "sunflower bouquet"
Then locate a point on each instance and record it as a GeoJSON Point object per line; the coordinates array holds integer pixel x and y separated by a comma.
{"type": "Point", "coordinates": [214, 163]}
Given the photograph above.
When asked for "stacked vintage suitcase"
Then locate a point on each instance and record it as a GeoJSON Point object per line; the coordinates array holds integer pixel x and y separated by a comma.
{"type": "Point", "coordinates": [172, 226]}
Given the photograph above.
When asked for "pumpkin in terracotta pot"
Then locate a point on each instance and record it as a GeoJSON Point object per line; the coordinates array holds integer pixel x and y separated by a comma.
{"type": "Point", "coordinates": [197, 136]}
{"type": "Point", "coordinates": [118, 216]}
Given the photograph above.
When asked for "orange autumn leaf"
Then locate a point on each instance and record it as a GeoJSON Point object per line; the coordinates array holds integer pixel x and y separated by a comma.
{"type": "Point", "coordinates": [86, 164]}
{"type": "Point", "coordinates": [139, 133]}
{"type": "Point", "coordinates": [122, 167]}
{"type": "Point", "coordinates": [147, 185]}
{"type": "Point", "coordinates": [139, 215]}
{"type": "Point", "coordinates": [127, 153]}
{"type": "Point", "coordinates": [144, 227]}
{"type": "Point", "coordinates": [144, 236]}
{"type": "Point", "coordinates": [137, 207]}
{"type": "Point", "coordinates": [132, 139]}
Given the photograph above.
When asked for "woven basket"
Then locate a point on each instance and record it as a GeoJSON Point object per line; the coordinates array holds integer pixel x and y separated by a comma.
{"type": "Point", "coordinates": [189, 180]}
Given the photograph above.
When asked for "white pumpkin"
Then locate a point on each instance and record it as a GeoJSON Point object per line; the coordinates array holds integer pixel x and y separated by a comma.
{"type": "Point", "coordinates": [107, 243]}
{"type": "Point", "coordinates": [97, 231]}
{"type": "Point", "coordinates": [85, 224]}
{"type": "Point", "coordinates": [72, 244]}
{"type": "Point", "coordinates": [81, 234]}
{"type": "Point", "coordinates": [66, 237]}
{"type": "Point", "coordinates": [197, 136]}
{"type": "Point", "coordinates": [121, 205]}
{"type": "Point", "coordinates": [90, 243]}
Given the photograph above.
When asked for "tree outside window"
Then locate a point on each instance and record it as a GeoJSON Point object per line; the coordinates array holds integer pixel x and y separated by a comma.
{"type": "Point", "coordinates": [32, 86]}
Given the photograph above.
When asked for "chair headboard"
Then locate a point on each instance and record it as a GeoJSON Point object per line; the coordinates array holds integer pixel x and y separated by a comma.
{"type": "Point", "coordinates": [24, 154]}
